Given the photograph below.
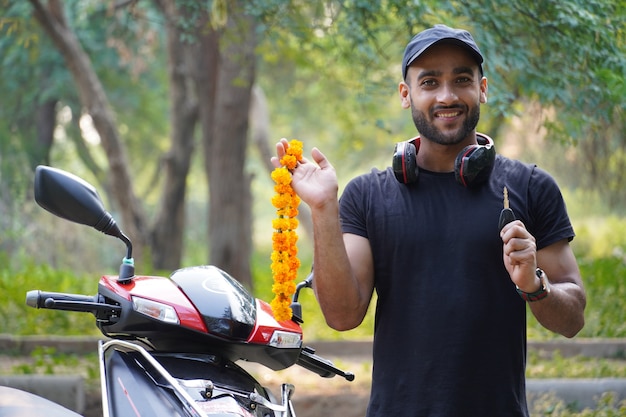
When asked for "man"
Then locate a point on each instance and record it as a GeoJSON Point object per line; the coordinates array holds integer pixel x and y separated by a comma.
{"type": "Point", "coordinates": [452, 279]}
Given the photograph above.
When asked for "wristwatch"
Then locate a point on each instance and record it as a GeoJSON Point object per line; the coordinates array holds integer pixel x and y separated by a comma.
{"type": "Point", "coordinates": [541, 293]}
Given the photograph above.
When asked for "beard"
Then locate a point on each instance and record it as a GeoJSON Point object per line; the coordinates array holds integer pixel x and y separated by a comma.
{"type": "Point", "coordinates": [429, 131]}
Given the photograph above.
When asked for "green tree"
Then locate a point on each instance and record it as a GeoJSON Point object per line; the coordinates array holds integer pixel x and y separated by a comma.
{"type": "Point", "coordinates": [329, 69]}
{"type": "Point", "coordinates": [224, 130]}
{"type": "Point", "coordinates": [569, 56]}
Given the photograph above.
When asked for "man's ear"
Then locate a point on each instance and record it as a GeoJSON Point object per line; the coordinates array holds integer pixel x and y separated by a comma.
{"type": "Point", "coordinates": [483, 90]}
{"type": "Point", "coordinates": [405, 97]}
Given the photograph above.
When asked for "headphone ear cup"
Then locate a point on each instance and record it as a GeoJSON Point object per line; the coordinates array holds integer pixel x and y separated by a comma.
{"type": "Point", "coordinates": [404, 162]}
{"type": "Point", "coordinates": [473, 164]}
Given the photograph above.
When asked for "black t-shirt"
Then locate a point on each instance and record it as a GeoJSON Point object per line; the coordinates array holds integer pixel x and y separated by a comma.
{"type": "Point", "coordinates": [450, 332]}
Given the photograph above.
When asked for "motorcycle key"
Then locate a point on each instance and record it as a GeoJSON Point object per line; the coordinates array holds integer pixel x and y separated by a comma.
{"type": "Point", "coordinates": [506, 215]}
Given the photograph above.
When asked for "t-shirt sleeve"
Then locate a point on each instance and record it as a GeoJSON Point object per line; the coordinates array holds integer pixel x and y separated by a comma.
{"type": "Point", "coordinates": [550, 221]}
{"type": "Point", "coordinates": [352, 208]}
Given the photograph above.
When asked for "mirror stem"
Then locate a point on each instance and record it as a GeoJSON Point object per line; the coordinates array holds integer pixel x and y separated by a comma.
{"type": "Point", "coordinates": [127, 269]}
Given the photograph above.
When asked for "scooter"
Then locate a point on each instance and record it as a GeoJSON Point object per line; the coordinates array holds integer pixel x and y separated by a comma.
{"type": "Point", "coordinates": [172, 344]}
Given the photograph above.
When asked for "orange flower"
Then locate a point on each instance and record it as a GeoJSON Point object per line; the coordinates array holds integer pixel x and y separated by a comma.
{"type": "Point", "coordinates": [285, 262]}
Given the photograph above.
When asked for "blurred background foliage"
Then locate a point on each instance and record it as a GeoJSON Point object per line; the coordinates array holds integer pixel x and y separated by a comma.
{"type": "Point", "coordinates": [329, 71]}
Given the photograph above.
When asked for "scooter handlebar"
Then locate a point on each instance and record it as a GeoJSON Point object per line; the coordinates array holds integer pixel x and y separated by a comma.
{"type": "Point", "coordinates": [72, 302]}
{"type": "Point", "coordinates": [39, 299]}
{"type": "Point", "coordinates": [323, 367]}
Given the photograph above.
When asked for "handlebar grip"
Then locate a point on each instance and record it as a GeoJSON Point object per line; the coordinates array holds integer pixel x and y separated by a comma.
{"type": "Point", "coordinates": [37, 298]}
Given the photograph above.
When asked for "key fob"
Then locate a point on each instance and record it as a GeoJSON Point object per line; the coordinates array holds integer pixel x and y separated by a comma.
{"type": "Point", "coordinates": [506, 217]}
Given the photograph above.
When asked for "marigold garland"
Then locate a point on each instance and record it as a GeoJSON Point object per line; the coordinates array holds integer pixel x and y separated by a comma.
{"type": "Point", "coordinates": [285, 262]}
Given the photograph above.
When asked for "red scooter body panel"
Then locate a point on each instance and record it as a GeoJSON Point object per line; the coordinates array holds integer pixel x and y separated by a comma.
{"type": "Point", "coordinates": [208, 301]}
{"type": "Point", "coordinates": [162, 290]}
{"type": "Point", "coordinates": [165, 291]}
{"type": "Point", "coordinates": [266, 324]}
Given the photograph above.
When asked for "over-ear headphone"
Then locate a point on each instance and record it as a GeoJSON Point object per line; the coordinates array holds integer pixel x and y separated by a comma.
{"type": "Point", "coordinates": [472, 165]}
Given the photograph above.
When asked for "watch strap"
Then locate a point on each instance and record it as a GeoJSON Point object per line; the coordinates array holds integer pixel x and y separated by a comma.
{"type": "Point", "coordinates": [541, 293]}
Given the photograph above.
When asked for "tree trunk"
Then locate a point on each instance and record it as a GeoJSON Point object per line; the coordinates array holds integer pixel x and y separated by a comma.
{"type": "Point", "coordinates": [230, 211]}
{"type": "Point", "coordinates": [94, 100]}
{"type": "Point", "coordinates": [224, 71]}
{"type": "Point", "coordinates": [46, 122]}
{"type": "Point", "coordinates": [169, 225]}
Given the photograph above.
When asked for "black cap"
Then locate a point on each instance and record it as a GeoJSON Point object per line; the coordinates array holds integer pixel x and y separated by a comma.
{"type": "Point", "coordinates": [439, 33]}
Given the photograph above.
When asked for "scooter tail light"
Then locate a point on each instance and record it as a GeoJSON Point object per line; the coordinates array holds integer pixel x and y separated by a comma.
{"type": "Point", "coordinates": [156, 310]}
{"type": "Point", "coordinates": [285, 340]}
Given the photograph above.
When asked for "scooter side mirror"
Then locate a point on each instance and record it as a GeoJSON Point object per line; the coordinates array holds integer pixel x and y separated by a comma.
{"type": "Point", "coordinates": [67, 196]}
{"type": "Point", "coordinates": [70, 197]}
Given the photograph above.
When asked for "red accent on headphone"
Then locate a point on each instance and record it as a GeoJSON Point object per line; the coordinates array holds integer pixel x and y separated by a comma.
{"type": "Point", "coordinates": [466, 151]}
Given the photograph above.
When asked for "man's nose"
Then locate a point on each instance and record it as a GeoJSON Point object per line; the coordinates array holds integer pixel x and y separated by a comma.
{"type": "Point", "coordinates": [447, 94]}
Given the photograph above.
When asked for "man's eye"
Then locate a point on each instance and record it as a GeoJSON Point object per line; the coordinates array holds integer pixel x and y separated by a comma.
{"type": "Point", "coordinates": [463, 80]}
{"type": "Point", "coordinates": [429, 83]}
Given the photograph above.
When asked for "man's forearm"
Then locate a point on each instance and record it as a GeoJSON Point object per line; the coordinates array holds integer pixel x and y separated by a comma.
{"type": "Point", "coordinates": [563, 310]}
{"type": "Point", "coordinates": [336, 287]}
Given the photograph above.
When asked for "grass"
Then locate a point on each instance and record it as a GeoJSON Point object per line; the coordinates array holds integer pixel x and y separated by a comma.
{"type": "Point", "coordinates": [605, 315]}
{"type": "Point", "coordinates": [557, 366]}
{"type": "Point", "coordinates": [606, 406]}
{"type": "Point", "coordinates": [47, 361]}
{"type": "Point", "coordinates": [18, 319]}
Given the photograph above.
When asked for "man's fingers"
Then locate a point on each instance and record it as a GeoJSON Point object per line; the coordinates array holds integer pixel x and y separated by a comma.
{"type": "Point", "coordinates": [320, 158]}
{"type": "Point", "coordinates": [281, 150]}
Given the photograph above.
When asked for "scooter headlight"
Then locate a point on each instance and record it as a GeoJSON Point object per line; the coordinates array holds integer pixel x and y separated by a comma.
{"type": "Point", "coordinates": [282, 339]}
{"type": "Point", "coordinates": [156, 310]}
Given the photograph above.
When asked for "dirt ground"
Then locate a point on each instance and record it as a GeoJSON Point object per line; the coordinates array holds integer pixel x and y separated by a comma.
{"type": "Point", "coordinates": [330, 404]}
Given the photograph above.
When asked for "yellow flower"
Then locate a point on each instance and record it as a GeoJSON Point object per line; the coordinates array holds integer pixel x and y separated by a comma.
{"type": "Point", "coordinates": [281, 176]}
{"type": "Point", "coordinates": [285, 262]}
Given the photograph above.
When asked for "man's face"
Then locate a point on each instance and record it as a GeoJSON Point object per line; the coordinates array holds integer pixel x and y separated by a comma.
{"type": "Point", "coordinates": [445, 89]}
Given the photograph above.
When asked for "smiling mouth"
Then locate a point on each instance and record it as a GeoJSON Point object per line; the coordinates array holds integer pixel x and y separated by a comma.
{"type": "Point", "coordinates": [447, 115]}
